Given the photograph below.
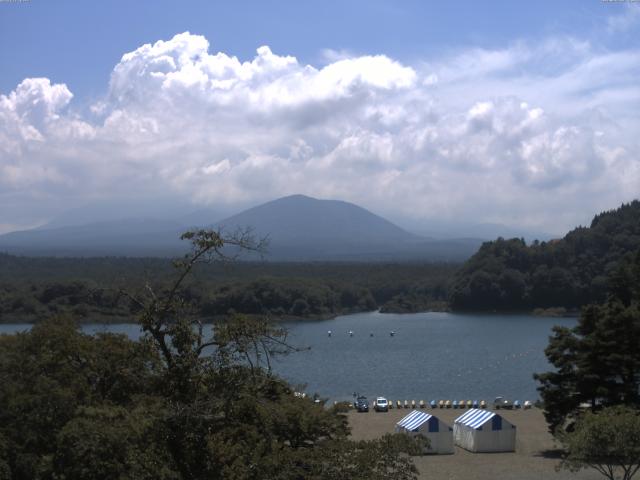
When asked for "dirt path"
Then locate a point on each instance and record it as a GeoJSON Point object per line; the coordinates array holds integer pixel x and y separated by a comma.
{"type": "Point", "coordinates": [533, 459]}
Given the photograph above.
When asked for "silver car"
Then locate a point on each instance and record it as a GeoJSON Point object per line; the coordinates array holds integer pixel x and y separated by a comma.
{"type": "Point", "coordinates": [381, 405]}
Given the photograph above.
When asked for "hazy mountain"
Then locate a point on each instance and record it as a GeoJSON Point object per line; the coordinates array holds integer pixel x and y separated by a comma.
{"type": "Point", "coordinates": [298, 228]}
{"type": "Point", "coordinates": [126, 209]}
{"type": "Point", "coordinates": [305, 228]}
{"type": "Point", "coordinates": [439, 229]}
{"type": "Point", "coordinates": [298, 218]}
{"type": "Point", "coordinates": [130, 237]}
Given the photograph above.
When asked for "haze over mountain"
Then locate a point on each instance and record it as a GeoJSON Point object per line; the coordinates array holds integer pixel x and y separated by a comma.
{"type": "Point", "coordinates": [298, 228]}
{"type": "Point", "coordinates": [488, 231]}
{"type": "Point", "coordinates": [304, 228]}
{"type": "Point", "coordinates": [300, 219]}
{"type": "Point", "coordinates": [128, 237]}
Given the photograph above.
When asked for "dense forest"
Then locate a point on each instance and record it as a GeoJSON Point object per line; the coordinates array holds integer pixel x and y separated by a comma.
{"type": "Point", "coordinates": [89, 288]}
{"type": "Point", "coordinates": [504, 275]}
{"type": "Point", "coordinates": [509, 275]}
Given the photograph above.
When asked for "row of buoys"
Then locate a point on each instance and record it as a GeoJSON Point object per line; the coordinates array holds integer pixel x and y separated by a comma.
{"type": "Point", "coordinates": [458, 404]}
{"type": "Point", "coordinates": [351, 333]}
{"type": "Point", "coordinates": [399, 404]}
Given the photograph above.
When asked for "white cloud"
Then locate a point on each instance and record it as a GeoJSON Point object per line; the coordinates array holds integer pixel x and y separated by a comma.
{"type": "Point", "coordinates": [509, 135]}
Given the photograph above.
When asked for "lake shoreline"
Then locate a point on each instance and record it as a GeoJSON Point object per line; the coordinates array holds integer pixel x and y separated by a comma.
{"type": "Point", "coordinates": [122, 320]}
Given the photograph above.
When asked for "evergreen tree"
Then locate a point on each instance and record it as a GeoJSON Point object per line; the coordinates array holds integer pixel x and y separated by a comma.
{"type": "Point", "coordinates": [598, 361]}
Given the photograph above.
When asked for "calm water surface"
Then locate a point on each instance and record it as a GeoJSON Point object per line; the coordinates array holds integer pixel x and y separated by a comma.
{"type": "Point", "coordinates": [431, 356]}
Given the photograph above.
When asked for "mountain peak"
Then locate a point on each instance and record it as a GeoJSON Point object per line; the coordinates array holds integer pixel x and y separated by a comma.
{"type": "Point", "coordinates": [299, 228]}
{"type": "Point", "coordinates": [296, 217]}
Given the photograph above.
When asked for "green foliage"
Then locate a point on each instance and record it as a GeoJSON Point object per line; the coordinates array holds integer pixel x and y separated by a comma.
{"type": "Point", "coordinates": [176, 404]}
{"type": "Point", "coordinates": [598, 361]}
{"type": "Point", "coordinates": [382, 459]}
{"type": "Point", "coordinates": [49, 373]}
{"type": "Point", "coordinates": [111, 442]}
{"type": "Point", "coordinates": [608, 441]}
{"type": "Point", "coordinates": [89, 289]}
{"type": "Point", "coordinates": [571, 272]}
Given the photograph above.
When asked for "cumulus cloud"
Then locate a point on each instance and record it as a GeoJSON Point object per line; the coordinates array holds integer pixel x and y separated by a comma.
{"type": "Point", "coordinates": [511, 135]}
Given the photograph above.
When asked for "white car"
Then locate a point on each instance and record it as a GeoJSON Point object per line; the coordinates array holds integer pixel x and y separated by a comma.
{"type": "Point", "coordinates": [381, 405]}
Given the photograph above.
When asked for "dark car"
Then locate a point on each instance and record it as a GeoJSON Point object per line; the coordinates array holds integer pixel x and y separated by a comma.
{"type": "Point", "coordinates": [361, 404]}
{"type": "Point", "coordinates": [501, 402]}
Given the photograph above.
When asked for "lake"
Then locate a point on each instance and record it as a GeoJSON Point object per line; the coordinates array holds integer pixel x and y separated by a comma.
{"type": "Point", "coordinates": [431, 356]}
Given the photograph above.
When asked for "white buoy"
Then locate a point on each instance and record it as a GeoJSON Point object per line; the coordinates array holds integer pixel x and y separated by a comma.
{"type": "Point", "coordinates": [351, 333]}
{"type": "Point", "coordinates": [329, 333]}
{"type": "Point", "coordinates": [392, 333]}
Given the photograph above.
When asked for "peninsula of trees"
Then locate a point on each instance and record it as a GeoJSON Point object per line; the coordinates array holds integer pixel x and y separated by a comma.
{"type": "Point", "coordinates": [509, 275]}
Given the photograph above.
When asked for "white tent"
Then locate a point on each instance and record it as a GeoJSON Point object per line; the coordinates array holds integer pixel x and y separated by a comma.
{"type": "Point", "coordinates": [484, 431]}
{"type": "Point", "coordinates": [440, 434]}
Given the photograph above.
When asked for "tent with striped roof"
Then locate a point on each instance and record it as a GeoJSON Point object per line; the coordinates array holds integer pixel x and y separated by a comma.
{"type": "Point", "coordinates": [484, 431]}
{"type": "Point", "coordinates": [440, 434]}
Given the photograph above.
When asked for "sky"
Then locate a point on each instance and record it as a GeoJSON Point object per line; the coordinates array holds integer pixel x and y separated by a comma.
{"type": "Point", "coordinates": [520, 113]}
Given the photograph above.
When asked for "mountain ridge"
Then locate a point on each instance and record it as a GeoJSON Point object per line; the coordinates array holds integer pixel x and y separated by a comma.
{"type": "Point", "coordinates": [300, 228]}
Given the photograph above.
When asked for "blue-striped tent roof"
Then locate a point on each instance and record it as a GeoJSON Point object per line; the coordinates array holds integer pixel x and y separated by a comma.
{"type": "Point", "coordinates": [413, 421]}
{"type": "Point", "coordinates": [475, 418]}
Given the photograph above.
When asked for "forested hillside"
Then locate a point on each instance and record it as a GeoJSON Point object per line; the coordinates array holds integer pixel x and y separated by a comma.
{"type": "Point", "coordinates": [569, 272]}
{"type": "Point", "coordinates": [35, 288]}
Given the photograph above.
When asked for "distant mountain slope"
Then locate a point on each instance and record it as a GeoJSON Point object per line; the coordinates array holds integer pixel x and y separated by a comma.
{"type": "Point", "coordinates": [131, 237]}
{"type": "Point", "coordinates": [569, 272]}
{"type": "Point", "coordinates": [301, 219]}
{"type": "Point", "coordinates": [488, 231]}
{"type": "Point", "coordinates": [305, 228]}
{"type": "Point", "coordinates": [299, 228]}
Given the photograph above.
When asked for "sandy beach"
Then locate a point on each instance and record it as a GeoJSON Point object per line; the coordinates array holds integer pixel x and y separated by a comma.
{"type": "Point", "coordinates": [535, 456]}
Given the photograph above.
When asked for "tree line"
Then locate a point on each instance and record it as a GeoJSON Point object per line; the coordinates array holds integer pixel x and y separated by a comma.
{"type": "Point", "coordinates": [89, 289]}
{"type": "Point", "coordinates": [568, 273]}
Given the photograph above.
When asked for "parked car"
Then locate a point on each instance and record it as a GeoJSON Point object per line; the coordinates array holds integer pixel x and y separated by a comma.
{"type": "Point", "coordinates": [381, 405]}
{"type": "Point", "coordinates": [501, 402]}
{"type": "Point", "coordinates": [361, 404]}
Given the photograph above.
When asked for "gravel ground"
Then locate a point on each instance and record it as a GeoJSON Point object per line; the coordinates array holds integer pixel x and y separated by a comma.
{"type": "Point", "coordinates": [535, 457]}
